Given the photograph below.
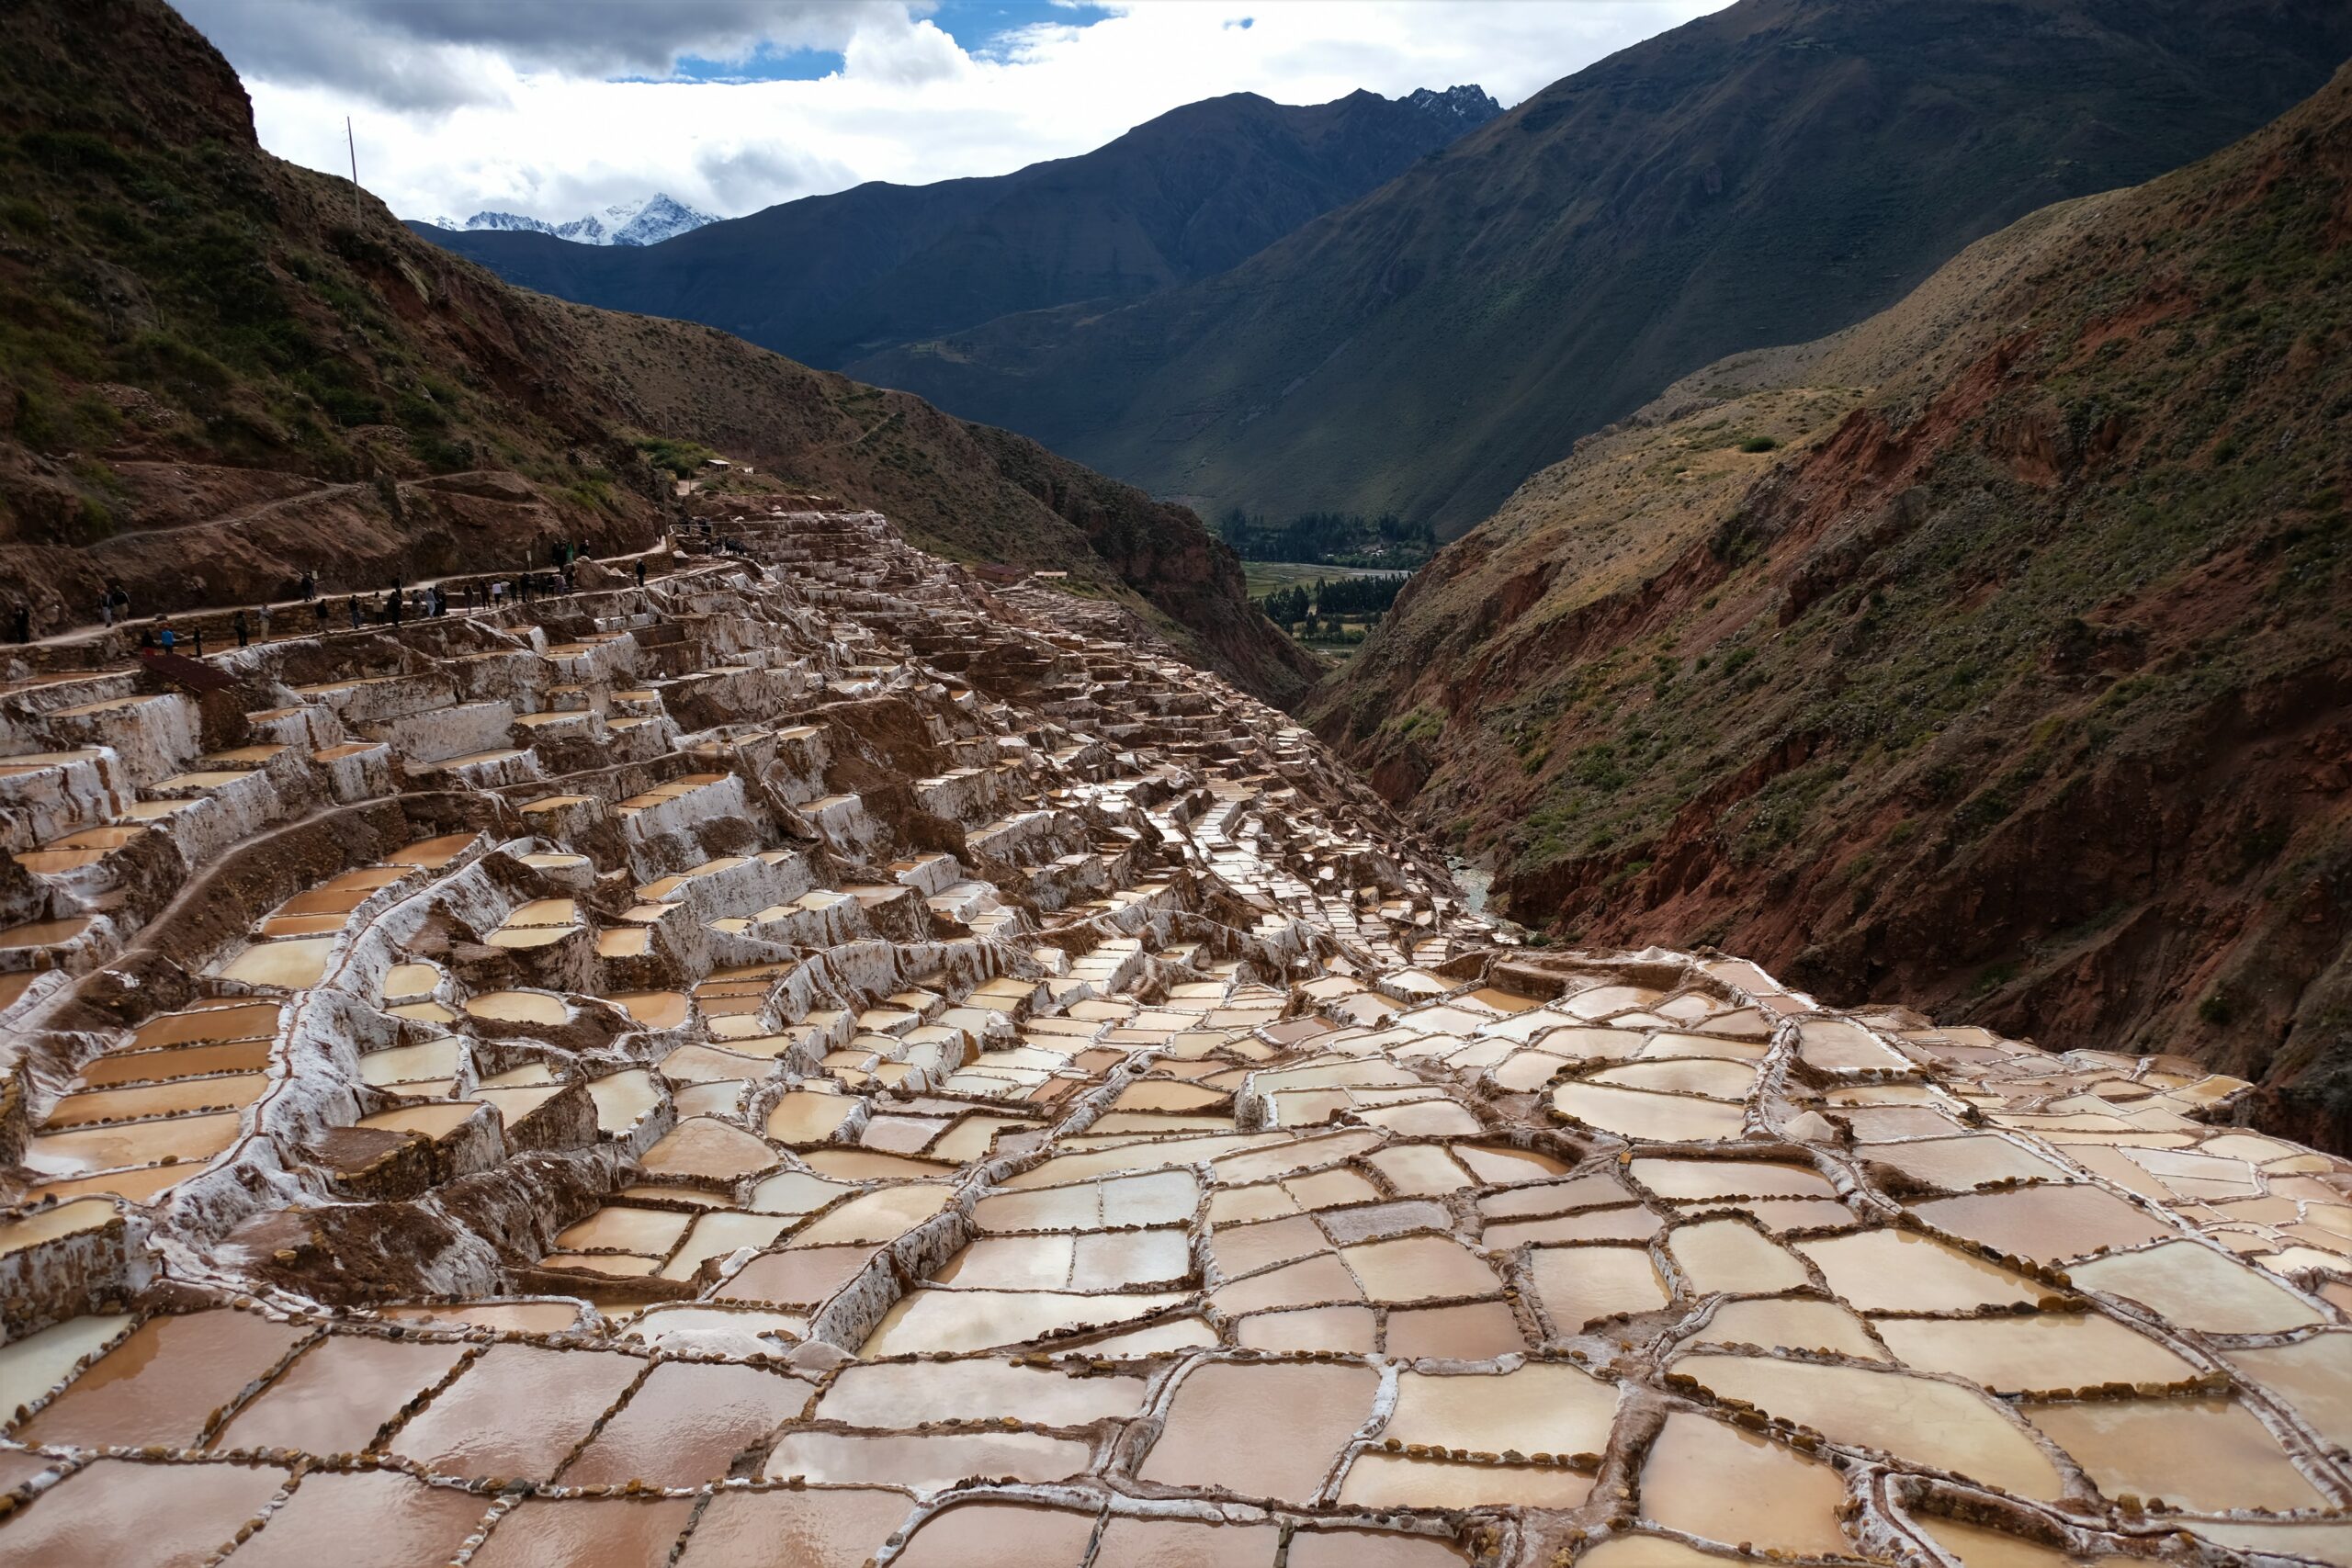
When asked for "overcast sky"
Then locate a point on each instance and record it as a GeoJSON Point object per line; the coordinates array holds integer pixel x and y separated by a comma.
{"type": "Point", "coordinates": [556, 107]}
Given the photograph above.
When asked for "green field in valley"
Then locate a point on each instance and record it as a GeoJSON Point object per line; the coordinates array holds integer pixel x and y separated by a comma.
{"type": "Point", "coordinates": [1261, 578]}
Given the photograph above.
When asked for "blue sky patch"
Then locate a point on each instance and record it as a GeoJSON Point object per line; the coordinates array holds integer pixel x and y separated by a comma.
{"type": "Point", "coordinates": [977, 26]}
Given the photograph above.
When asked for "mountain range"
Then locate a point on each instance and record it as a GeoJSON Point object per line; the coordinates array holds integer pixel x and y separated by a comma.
{"type": "Point", "coordinates": [217, 369]}
{"type": "Point", "coordinates": [1185, 195]}
{"type": "Point", "coordinates": [1369, 307]}
{"type": "Point", "coordinates": [1766, 173]}
{"type": "Point", "coordinates": [648, 220]}
{"type": "Point", "coordinates": [1991, 652]}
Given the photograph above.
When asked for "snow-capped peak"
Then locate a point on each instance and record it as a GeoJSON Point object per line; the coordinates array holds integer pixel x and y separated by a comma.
{"type": "Point", "coordinates": [648, 221]}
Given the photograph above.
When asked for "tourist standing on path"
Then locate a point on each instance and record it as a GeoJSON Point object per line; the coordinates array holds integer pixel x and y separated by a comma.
{"type": "Point", "coordinates": [164, 634]}
{"type": "Point", "coordinates": [641, 571]}
{"type": "Point", "coordinates": [106, 607]}
{"type": "Point", "coordinates": [196, 641]}
{"type": "Point", "coordinates": [20, 622]}
{"type": "Point", "coordinates": [309, 584]}
{"type": "Point", "coordinates": [239, 627]}
{"type": "Point", "coordinates": [353, 603]}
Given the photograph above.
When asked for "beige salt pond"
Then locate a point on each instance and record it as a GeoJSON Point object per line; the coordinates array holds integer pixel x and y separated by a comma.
{"type": "Point", "coordinates": [1715, 1080]}
{"type": "Point", "coordinates": [1541, 1407]}
{"type": "Point", "coordinates": [517, 1411]}
{"type": "Point", "coordinates": [703, 1148]}
{"type": "Point", "coordinates": [1894, 1270]}
{"type": "Point", "coordinates": [2047, 1222]}
{"type": "Point", "coordinates": [924, 1461]}
{"type": "Point", "coordinates": [518, 1007]}
{"type": "Point", "coordinates": [1732, 1258]}
{"type": "Point", "coordinates": [293, 965]}
{"type": "Point", "coordinates": [803, 1118]}
{"type": "Point", "coordinates": [1791, 1323]}
{"type": "Point", "coordinates": [1377, 1479]}
{"type": "Point", "coordinates": [2314, 1375]}
{"type": "Point", "coordinates": [179, 1140]}
{"type": "Point", "coordinates": [2024, 1355]}
{"type": "Point", "coordinates": [903, 1394]}
{"type": "Point", "coordinates": [2207, 1454]}
{"type": "Point", "coordinates": [2197, 1287]}
{"type": "Point", "coordinates": [1923, 1421]}
{"type": "Point", "coordinates": [1695, 1179]}
{"type": "Point", "coordinates": [177, 1062]}
{"type": "Point", "coordinates": [1716, 1482]}
{"type": "Point", "coordinates": [959, 1321]}
{"type": "Point", "coordinates": [1583, 1285]}
{"type": "Point", "coordinates": [654, 1009]}
{"type": "Point", "coordinates": [177, 1098]}
{"type": "Point", "coordinates": [684, 1425]}
{"type": "Point", "coordinates": [338, 1393]}
{"type": "Point", "coordinates": [43, 932]}
{"type": "Point", "coordinates": [33, 1364]}
{"type": "Point", "coordinates": [164, 1382]}
{"type": "Point", "coordinates": [1268, 1430]}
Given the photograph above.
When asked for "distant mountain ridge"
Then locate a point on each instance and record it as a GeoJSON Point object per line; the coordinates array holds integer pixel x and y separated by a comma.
{"type": "Point", "coordinates": [1182, 197]}
{"type": "Point", "coordinates": [646, 221]}
{"type": "Point", "coordinates": [1764, 175]}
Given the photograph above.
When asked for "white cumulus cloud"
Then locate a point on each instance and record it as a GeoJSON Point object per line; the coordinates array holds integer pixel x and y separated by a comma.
{"type": "Point", "coordinates": [557, 108]}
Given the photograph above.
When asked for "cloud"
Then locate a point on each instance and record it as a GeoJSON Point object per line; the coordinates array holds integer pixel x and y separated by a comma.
{"type": "Point", "coordinates": [904, 57]}
{"type": "Point", "coordinates": [559, 109]}
{"type": "Point", "coordinates": [743, 177]}
{"type": "Point", "coordinates": [435, 54]}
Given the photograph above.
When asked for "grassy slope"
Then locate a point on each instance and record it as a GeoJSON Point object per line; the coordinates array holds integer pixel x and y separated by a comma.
{"type": "Point", "coordinates": [1764, 175]}
{"type": "Point", "coordinates": [216, 368]}
{"type": "Point", "coordinates": [2018, 681]}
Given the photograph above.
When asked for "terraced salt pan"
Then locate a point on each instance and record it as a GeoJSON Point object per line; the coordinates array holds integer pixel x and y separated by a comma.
{"type": "Point", "coordinates": [1101, 1148]}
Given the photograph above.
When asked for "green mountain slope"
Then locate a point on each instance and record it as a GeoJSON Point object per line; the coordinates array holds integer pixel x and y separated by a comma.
{"type": "Point", "coordinates": [830, 277]}
{"type": "Point", "coordinates": [216, 369]}
{"type": "Point", "coordinates": [1762, 175]}
{"type": "Point", "coordinates": [2016, 679]}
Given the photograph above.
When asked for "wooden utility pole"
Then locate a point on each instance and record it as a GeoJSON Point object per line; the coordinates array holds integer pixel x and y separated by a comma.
{"type": "Point", "coordinates": [352, 143]}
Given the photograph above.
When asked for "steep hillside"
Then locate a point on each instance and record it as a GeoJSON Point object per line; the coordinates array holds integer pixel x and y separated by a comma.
{"type": "Point", "coordinates": [216, 369]}
{"type": "Point", "coordinates": [2017, 678]}
{"type": "Point", "coordinates": [830, 278]}
{"type": "Point", "coordinates": [1765, 175]}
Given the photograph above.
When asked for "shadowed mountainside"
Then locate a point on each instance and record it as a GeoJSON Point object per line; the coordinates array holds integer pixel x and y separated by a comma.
{"type": "Point", "coordinates": [830, 277]}
{"type": "Point", "coordinates": [2017, 678]}
{"type": "Point", "coordinates": [1765, 175]}
{"type": "Point", "coordinates": [216, 368]}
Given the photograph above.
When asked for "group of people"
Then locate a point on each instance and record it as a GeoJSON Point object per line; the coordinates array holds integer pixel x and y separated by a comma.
{"type": "Point", "coordinates": [429, 602]}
